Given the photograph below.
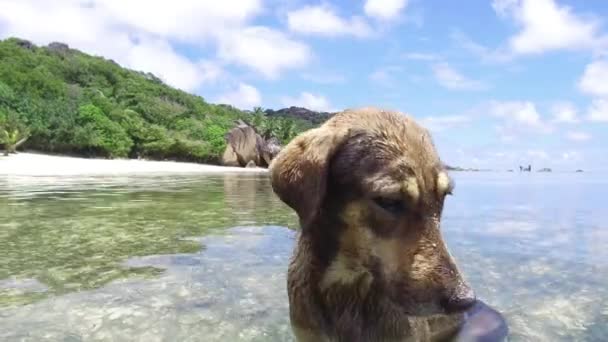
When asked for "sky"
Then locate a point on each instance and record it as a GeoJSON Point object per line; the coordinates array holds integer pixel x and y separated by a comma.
{"type": "Point", "coordinates": [499, 83]}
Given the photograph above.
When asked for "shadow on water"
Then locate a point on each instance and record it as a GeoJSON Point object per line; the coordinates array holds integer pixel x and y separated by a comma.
{"type": "Point", "coordinates": [203, 258]}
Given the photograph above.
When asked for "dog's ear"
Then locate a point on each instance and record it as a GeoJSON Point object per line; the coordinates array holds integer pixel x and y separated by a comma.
{"type": "Point", "coordinates": [299, 172]}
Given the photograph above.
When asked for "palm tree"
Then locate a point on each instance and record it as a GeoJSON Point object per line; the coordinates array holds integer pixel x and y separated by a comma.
{"type": "Point", "coordinates": [288, 130]}
{"type": "Point", "coordinates": [258, 110]}
{"type": "Point", "coordinates": [11, 140]}
{"type": "Point", "coordinates": [259, 120]}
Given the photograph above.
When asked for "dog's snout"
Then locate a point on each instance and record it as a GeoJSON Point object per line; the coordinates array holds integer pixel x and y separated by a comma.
{"type": "Point", "coordinates": [462, 298]}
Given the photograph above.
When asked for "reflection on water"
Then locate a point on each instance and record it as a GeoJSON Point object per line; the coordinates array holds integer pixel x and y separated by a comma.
{"type": "Point", "coordinates": [70, 235]}
{"type": "Point", "coordinates": [203, 258]}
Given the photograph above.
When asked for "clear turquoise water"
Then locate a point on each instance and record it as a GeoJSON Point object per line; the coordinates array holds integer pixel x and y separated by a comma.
{"type": "Point", "coordinates": [203, 258]}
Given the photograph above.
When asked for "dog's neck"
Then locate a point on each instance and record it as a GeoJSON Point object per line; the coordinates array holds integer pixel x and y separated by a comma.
{"type": "Point", "coordinates": [343, 311]}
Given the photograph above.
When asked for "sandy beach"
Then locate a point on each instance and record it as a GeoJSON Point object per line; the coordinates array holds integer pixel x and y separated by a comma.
{"type": "Point", "coordinates": [34, 164]}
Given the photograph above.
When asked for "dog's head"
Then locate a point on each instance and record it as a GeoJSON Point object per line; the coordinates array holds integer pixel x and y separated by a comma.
{"type": "Point", "coordinates": [372, 181]}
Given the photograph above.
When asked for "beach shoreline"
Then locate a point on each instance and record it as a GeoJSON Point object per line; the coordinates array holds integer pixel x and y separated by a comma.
{"type": "Point", "coordinates": [40, 164]}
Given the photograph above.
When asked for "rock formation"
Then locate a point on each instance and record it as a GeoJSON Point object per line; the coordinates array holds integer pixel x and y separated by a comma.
{"type": "Point", "coordinates": [26, 44]}
{"type": "Point", "coordinates": [230, 158]}
{"type": "Point", "coordinates": [271, 148]}
{"type": "Point", "coordinates": [246, 148]}
{"type": "Point", "coordinates": [58, 47]}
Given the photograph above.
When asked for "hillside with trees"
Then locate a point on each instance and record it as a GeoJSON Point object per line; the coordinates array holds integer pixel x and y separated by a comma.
{"type": "Point", "coordinates": [56, 99]}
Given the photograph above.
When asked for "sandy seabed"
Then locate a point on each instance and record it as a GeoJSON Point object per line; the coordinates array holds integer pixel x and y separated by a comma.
{"type": "Point", "coordinates": [34, 164]}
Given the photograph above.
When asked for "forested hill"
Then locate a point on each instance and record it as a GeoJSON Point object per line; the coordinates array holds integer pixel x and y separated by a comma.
{"type": "Point", "coordinates": [69, 102]}
{"type": "Point", "coordinates": [315, 118]}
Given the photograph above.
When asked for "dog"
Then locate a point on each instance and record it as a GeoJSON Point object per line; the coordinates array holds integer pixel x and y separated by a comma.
{"type": "Point", "coordinates": [369, 263]}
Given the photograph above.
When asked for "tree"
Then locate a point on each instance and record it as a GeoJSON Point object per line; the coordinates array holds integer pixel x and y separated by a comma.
{"type": "Point", "coordinates": [12, 140]}
{"type": "Point", "coordinates": [258, 120]}
{"type": "Point", "coordinates": [71, 102]}
{"type": "Point", "coordinates": [100, 134]}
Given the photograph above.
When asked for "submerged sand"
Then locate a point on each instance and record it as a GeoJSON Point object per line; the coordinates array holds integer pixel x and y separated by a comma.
{"type": "Point", "coordinates": [34, 164]}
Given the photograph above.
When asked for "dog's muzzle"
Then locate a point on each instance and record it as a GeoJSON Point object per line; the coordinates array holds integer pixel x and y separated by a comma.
{"type": "Point", "coordinates": [460, 299]}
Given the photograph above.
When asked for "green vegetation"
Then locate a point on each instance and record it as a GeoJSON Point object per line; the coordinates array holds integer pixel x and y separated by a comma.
{"type": "Point", "coordinates": [60, 100]}
{"type": "Point", "coordinates": [284, 128]}
{"type": "Point", "coordinates": [11, 139]}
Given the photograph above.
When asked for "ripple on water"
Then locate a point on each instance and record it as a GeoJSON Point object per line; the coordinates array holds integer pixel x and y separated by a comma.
{"type": "Point", "coordinates": [205, 258]}
{"type": "Point", "coordinates": [216, 295]}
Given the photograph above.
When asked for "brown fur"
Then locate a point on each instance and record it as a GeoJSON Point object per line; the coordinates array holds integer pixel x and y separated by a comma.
{"type": "Point", "coordinates": [360, 272]}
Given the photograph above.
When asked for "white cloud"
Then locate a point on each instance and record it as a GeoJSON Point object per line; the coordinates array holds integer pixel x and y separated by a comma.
{"type": "Point", "coordinates": [452, 79]}
{"type": "Point", "coordinates": [244, 97]}
{"type": "Point", "coordinates": [523, 112]}
{"type": "Point", "coordinates": [384, 9]}
{"type": "Point", "coordinates": [420, 56]}
{"type": "Point", "coordinates": [265, 50]}
{"type": "Point", "coordinates": [212, 71]}
{"type": "Point", "coordinates": [564, 112]}
{"type": "Point", "coordinates": [539, 154]}
{"type": "Point", "coordinates": [506, 136]}
{"type": "Point", "coordinates": [486, 54]}
{"type": "Point", "coordinates": [144, 39]}
{"type": "Point", "coordinates": [578, 136]}
{"type": "Point", "coordinates": [595, 79]}
{"type": "Point", "coordinates": [571, 156]}
{"type": "Point", "coordinates": [505, 158]}
{"type": "Point", "coordinates": [384, 75]}
{"type": "Point", "coordinates": [545, 26]}
{"type": "Point", "coordinates": [172, 68]}
{"type": "Point", "coordinates": [504, 7]}
{"type": "Point", "coordinates": [598, 110]}
{"type": "Point", "coordinates": [188, 20]}
{"type": "Point", "coordinates": [309, 101]}
{"type": "Point", "coordinates": [518, 118]}
{"type": "Point", "coordinates": [441, 123]}
{"type": "Point", "coordinates": [321, 20]}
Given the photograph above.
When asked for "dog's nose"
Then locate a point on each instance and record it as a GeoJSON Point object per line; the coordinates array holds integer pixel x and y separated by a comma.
{"type": "Point", "coordinates": [462, 298]}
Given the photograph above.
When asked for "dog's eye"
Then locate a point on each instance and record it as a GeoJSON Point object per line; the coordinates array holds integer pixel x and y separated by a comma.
{"type": "Point", "coordinates": [391, 205]}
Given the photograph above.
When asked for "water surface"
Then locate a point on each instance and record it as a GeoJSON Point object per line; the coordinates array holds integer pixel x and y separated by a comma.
{"type": "Point", "coordinates": [203, 258]}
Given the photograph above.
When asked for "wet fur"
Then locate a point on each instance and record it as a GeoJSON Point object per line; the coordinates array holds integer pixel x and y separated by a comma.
{"type": "Point", "coordinates": [358, 272]}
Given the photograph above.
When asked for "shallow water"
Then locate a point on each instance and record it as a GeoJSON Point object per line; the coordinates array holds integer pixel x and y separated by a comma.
{"type": "Point", "coordinates": [203, 258]}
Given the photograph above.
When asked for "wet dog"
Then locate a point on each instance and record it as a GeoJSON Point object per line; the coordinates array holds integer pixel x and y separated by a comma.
{"type": "Point", "coordinates": [370, 263]}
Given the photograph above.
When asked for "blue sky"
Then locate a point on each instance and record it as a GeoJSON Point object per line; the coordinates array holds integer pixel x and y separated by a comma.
{"type": "Point", "coordinates": [500, 83]}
